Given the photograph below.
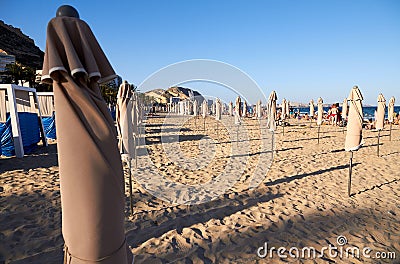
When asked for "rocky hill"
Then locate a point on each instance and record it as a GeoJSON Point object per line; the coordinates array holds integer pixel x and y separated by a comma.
{"type": "Point", "coordinates": [14, 42]}
{"type": "Point", "coordinates": [162, 96]}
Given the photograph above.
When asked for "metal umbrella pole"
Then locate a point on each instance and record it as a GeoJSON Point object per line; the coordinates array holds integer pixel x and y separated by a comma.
{"type": "Point", "coordinates": [319, 127]}
{"type": "Point", "coordinates": [390, 132]}
{"type": "Point", "coordinates": [350, 171]}
{"type": "Point", "coordinates": [130, 186]}
{"type": "Point", "coordinates": [379, 135]}
{"type": "Point", "coordinates": [283, 127]}
{"type": "Point", "coordinates": [272, 143]}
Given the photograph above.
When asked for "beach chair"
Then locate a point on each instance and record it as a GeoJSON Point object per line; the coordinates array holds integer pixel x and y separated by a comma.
{"type": "Point", "coordinates": [21, 126]}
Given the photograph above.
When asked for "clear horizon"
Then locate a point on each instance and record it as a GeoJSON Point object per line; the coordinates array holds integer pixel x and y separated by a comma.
{"type": "Point", "coordinates": [300, 49]}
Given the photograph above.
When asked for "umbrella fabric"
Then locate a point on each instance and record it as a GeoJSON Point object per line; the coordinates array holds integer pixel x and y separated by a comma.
{"type": "Point", "coordinates": [284, 105]}
{"type": "Point", "coordinates": [230, 109]}
{"type": "Point", "coordinates": [3, 107]}
{"type": "Point", "coordinates": [46, 105]}
{"type": "Point", "coordinates": [195, 107]}
{"type": "Point", "coordinates": [91, 176]}
{"type": "Point", "coordinates": [258, 110]}
{"type": "Point", "coordinates": [312, 108]}
{"type": "Point", "coordinates": [218, 109]}
{"type": "Point", "coordinates": [354, 138]}
{"type": "Point", "coordinates": [391, 109]}
{"type": "Point", "coordinates": [205, 108]}
{"type": "Point", "coordinates": [287, 108]}
{"type": "Point", "coordinates": [244, 109]}
{"type": "Point", "coordinates": [135, 113]}
{"type": "Point", "coordinates": [320, 111]}
{"type": "Point", "coordinates": [124, 120]}
{"type": "Point", "coordinates": [238, 109]}
{"type": "Point", "coordinates": [380, 121]}
{"type": "Point", "coordinates": [271, 109]}
{"type": "Point", "coordinates": [344, 109]}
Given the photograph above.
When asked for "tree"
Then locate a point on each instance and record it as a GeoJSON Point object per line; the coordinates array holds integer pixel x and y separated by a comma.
{"type": "Point", "coordinates": [16, 72]}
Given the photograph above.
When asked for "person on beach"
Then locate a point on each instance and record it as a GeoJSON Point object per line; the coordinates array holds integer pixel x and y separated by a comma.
{"type": "Point", "coordinates": [333, 114]}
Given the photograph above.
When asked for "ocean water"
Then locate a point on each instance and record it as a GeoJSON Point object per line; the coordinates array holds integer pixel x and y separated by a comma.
{"type": "Point", "coordinates": [368, 111]}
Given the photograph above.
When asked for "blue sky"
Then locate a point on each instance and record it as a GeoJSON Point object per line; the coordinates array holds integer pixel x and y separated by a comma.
{"type": "Point", "coordinates": [301, 49]}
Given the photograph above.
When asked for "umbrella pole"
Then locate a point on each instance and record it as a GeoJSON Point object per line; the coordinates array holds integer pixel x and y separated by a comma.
{"type": "Point", "coordinates": [272, 148]}
{"type": "Point", "coordinates": [390, 132]}
{"type": "Point", "coordinates": [350, 171]}
{"type": "Point", "coordinates": [237, 135]}
{"type": "Point", "coordinates": [217, 128]}
{"type": "Point", "coordinates": [283, 128]}
{"type": "Point", "coordinates": [130, 186]}
{"type": "Point", "coordinates": [204, 124]}
{"type": "Point", "coordinates": [319, 127]}
{"type": "Point", "coordinates": [379, 135]}
{"type": "Point", "coordinates": [310, 122]}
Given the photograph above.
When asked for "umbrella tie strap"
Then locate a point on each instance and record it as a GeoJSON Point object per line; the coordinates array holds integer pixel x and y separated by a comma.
{"type": "Point", "coordinates": [68, 256]}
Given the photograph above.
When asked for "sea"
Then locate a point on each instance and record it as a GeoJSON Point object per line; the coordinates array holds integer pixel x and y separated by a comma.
{"type": "Point", "coordinates": [368, 111]}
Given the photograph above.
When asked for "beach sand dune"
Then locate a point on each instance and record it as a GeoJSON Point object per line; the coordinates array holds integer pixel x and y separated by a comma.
{"type": "Point", "coordinates": [301, 202]}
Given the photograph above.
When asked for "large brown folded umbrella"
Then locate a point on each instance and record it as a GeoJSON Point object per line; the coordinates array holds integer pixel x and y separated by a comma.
{"type": "Point", "coordinates": [91, 177]}
{"type": "Point", "coordinates": [230, 109]}
{"type": "Point", "coordinates": [287, 108]}
{"type": "Point", "coordinates": [195, 107]}
{"type": "Point", "coordinates": [391, 115]}
{"type": "Point", "coordinates": [354, 138]}
{"type": "Point", "coordinates": [244, 109]}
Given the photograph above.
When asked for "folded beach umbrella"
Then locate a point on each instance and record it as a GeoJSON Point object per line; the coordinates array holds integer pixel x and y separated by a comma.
{"type": "Point", "coordinates": [195, 107]}
{"type": "Point", "coordinates": [271, 109]}
{"type": "Point", "coordinates": [380, 117]}
{"type": "Point", "coordinates": [283, 113]}
{"type": "Point", "coordinates": [380, 121]}
{"type": "Point", "coordinates": [354, 138]}
{"type": "Point", "coordinates": [244, 109]}
{"type": "Point", "coordinates": [320, 114]}
{"type": "Point", "coordinates": [124, 121]}
{"type": "Point", "coordinates": [230, 110]}
{"type": "Point", "coordinates": [391, 115]}
{"type": "Point", "coordinates": [258, 109]}
{"type": "Point", "coordinates": [320, 111]}
{"type": "Point", "coordinates": [238, 110]}
{"type": "Point", "coordinates": [125, 115]}
{"type": "Point", "coordinates": [287, 108]}
{"type": "Point", "coordinates": [218, 109]}
{"type": "Point", "coordinates": [204, 108]}
{"type": "Point", "coordinates": [312, 108]}
{"type": "Point", "coordinates": [91, 176]}
{"type": "Point", "coordinates": [344, 109]}
{"type": "Point", "coordinates": [391, 109]}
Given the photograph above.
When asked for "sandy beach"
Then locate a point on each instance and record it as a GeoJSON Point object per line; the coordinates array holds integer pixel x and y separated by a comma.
{"type": "Point", "coordinates": [300, 201]}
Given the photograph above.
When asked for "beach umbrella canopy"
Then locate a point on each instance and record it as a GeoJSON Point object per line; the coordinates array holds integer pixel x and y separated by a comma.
{"type": "Point", "coordinates": [218, 109]}
{"type": "Point", "coordinates": [91, 176]}
{"type": "Point", "coordinates": [271, 109]}
{"type": "Point", "coordinates": [124, 120]}
{"type": "Point", "coordinates": [391, 109]}
{"type": "Point", "coordinates": [344, 109]}
{"type": "Point", "coordinates": [354, 138]}
{"type": "Point", "coordinates": [320, 111]}
{"type": "Point", "coordinates": [230, 110]}
{"type": "Point", "coordinates": [287, 108]}
{"type": "Point", "coordinates": [205, 108]}
{"type": "Point", "coordinates": [380, 118]}
{"type": "Point", "coordinates": [284, 105]}
{"type": "Point", "coordinates": [258, 109]}
{"type": "Point", "coordinates": [312, 108]}
{"type": "Point", "coordinates": [238, 109]}
{"type": "Point", "coordinates": [244, 108]}
{"type": "Point", "coordinates": [195, 108]}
